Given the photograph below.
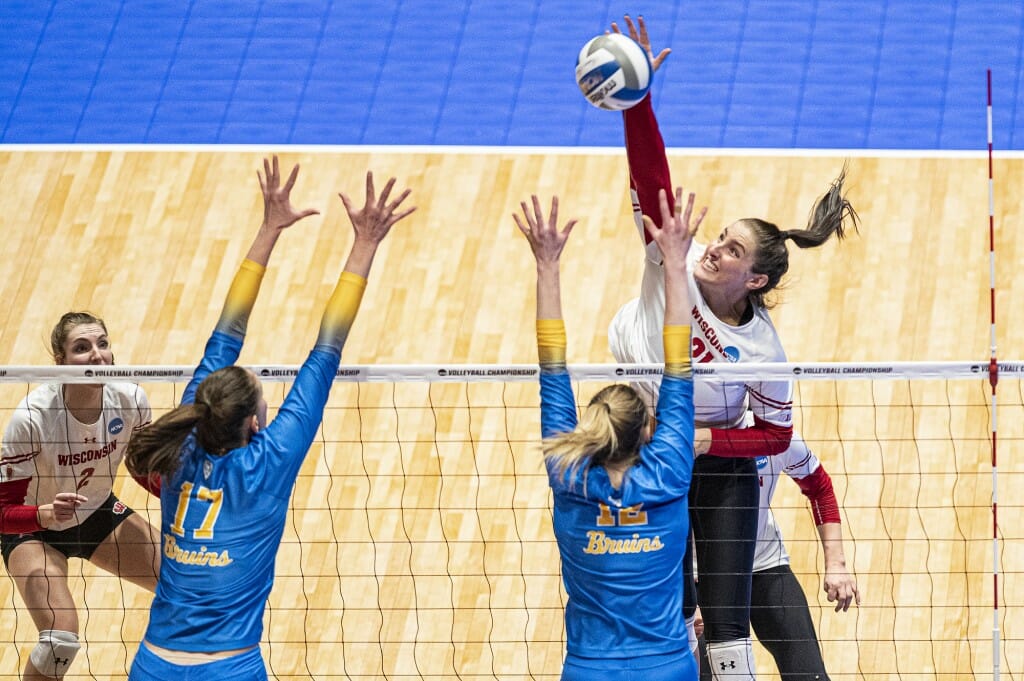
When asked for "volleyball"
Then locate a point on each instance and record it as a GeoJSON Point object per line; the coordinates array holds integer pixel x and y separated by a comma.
{"type": "Point", "coordinates": [613, 72]}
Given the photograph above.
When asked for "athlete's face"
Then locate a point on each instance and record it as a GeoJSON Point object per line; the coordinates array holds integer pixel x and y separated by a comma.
{"type": "Point", "coordinates": [87, 344]}
{"type": "Point", "coordinates": [728, 261]}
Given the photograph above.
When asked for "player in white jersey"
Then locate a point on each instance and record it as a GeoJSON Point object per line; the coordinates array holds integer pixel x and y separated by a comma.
{"type": "Point", "coordinates": [60, 456]}
{"type": "Point", "coordinates": [728, 282]}
{"type": "Point", "coordinates": [779, 613]}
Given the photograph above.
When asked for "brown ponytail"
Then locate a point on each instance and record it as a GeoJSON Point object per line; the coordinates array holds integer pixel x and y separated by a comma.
{"type": "Point", "coordinates": [223, 402]}
{"type": "Point", "coordinates": [828, 216]}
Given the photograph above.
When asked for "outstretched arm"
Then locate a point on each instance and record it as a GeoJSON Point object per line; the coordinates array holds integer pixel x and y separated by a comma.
{"type": "Point", "coordinates": [278, 215]}
{"type": "Point", "coordinates": [558, 404]}
{"type": "Point", "coordinates": [546, 242]}
{"type": "Point", "coordinates": [293, 429]}
{"type": "Point", "coordinates": [225, 344]}
{"type": "Point", "coordinates": [673, 234]}
{"type": "Point", "coordinates": [371, 224]}
{"type": "Point", "coordinates": [645, 148]}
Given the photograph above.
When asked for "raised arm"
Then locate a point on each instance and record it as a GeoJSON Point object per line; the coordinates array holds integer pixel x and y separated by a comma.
{"type": "Point", "coordinates": [371, 224]}
{"type": "Point", "coordinates": [546, 242]}
{"type": "Point", "coordinates": [225, 344]}
{"type": "Point", "coordinates": [278, 215]}
{"type": "Point", "coordinates": [558, 405]}
{"type": "Point", "coordinates": [291, 433]}
{"type": "Point", "coordinates": [675, 432]}
{"type": "Point", "coordinates": [673, 238]}
{"type": "Point", "coordinates": [645, 148]}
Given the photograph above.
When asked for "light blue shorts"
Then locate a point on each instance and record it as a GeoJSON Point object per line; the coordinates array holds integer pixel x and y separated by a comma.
{"type": "Point", "coordinates": [679, 666]}
{"type": "Point", "coordinates": [148, 666]}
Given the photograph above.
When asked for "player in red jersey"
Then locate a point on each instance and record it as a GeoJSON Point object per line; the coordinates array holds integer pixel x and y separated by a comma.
{"type": "Point", "coordinates": [728, 283]}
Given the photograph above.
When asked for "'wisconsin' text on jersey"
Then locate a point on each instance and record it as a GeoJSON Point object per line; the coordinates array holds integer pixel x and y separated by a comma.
{"type": "Point", "coordinates": [88, 455]}
{"type": "Point", "coordinates": [707, 329]}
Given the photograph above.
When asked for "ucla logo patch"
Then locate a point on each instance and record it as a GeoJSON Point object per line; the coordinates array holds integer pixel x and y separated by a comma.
{"type": "Point", "coordinates": [115, 426]}
{"type": "Point", "coordinates": [207, 468]}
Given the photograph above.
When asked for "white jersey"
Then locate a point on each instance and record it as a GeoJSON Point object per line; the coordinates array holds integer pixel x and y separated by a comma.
{"type": "Point", "coordinates": [797, 462]}
{"type": "Point", "coordinates": [635, 335]}
{"type": "Point", "coordinates": [47, 445]}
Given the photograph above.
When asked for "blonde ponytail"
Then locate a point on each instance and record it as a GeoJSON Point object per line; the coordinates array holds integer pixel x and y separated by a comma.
{"type": "Point", "coordinates": [609, 431]}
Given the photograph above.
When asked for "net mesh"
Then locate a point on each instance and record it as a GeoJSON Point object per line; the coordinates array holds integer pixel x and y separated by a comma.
{"type": "Point", "coordinates": [419, 542]}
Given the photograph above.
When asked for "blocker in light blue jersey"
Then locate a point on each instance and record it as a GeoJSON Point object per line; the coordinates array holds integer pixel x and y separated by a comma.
{"type": "Point", "coordinates": [225, 475]}
{"type": "Point", "coordinates": [223, 516]}
{"type": "Point", "coordinates": [622, 549]}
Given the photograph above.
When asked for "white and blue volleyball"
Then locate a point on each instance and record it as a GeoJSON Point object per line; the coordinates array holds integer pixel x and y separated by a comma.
{"type": "Point", "coordinates": [613, 72]}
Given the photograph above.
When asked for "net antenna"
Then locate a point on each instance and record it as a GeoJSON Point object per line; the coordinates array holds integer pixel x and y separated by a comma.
{"type": "Point", "coordinates": [993, 379]}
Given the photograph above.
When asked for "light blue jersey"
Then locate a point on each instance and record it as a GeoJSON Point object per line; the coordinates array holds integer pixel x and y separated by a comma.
{"type": "Point", "coordinates": [223, 516]}
{"type": "Point", "coordinates": [622, 550]}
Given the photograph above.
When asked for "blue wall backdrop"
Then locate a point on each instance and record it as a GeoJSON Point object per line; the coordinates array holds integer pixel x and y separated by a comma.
{"type": "Point", "coordinates": [868, 74]}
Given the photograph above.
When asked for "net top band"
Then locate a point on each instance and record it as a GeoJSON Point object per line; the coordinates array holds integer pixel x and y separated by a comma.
{"type": "Point", "coordinates": [510, 373]}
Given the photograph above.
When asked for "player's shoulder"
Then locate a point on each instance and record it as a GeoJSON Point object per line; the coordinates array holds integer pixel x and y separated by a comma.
{"type": "Point", "coordinates": [125, 395]}
{"type": "Point", "coordinates": [35, 409]}
{"type": "Point", "coordinates": [763, 337]}
{"type": "Point", "coordinates": [44, 398]}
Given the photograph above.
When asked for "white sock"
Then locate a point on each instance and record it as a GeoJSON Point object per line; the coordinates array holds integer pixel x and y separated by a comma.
{"type": "Point", "coordinates": [732, 660]}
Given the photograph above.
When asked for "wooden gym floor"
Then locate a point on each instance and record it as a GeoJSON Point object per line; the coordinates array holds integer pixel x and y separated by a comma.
{"type": "Point", "coordinates": [149, 240]}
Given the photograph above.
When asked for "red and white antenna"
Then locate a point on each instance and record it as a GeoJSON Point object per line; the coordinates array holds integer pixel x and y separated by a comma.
{"type": "Point", "coordinates": [993, 379]}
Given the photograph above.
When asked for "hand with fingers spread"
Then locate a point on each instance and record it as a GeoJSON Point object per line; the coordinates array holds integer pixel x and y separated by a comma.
{"type": "Point", "coordinates": [278, 213]}
{"type": "Point", "coordinates": [373, 221]}
{"type": "Point", "coordinates": [546, 240]}
{"type": "Point", "coordinates": [641, 38]}
{"type": "Point", "coordinates": [676, 231]}
{"type": "Point", "coordinates": [673, 238]}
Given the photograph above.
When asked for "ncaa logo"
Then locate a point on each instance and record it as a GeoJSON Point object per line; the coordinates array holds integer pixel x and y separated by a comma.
{"type": "Point", "coordinates": [732, 353]}
{"type": "Point", "coordinates": [115, 426]}
{"type": "Point", "coordinates": [762, 461]}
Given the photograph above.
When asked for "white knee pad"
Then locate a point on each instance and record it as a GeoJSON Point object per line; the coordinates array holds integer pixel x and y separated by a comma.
{"type": "Point", "coordinates": [54, 653]}
{"type": "Point", "coordinates": [732, 660]}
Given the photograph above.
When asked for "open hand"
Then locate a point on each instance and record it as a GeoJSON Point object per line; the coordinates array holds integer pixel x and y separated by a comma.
{"type": "Point", "coordinates": [374, 220]}
{"type": "Point", "coordinates": [546, 240]}
{"type": "Point", "coordinates": [278, 213]}
{"type": "Point", "coordinates": [643, 40]}
{"type": "Point", "coordinates": [676, 233]}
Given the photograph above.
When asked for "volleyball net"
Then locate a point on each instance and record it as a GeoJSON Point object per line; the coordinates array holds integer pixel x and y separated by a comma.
{"type": "Point", "coordinates": [419, 542]}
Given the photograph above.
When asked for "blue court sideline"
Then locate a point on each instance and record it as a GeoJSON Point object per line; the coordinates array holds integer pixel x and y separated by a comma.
{"type": "Point", "coordinates": [905, 74]}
